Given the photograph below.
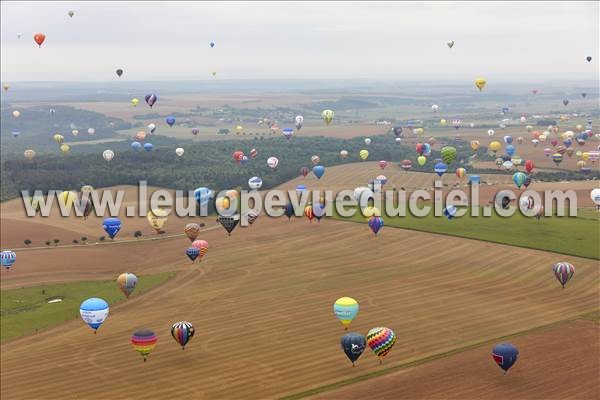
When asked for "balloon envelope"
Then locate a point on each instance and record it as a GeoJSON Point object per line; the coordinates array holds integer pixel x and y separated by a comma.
{"type": "Point", "coordinates": [345, 309]}
{"type": "Point", "coordinates": [353, 345]}
{"type": "Point", "coordinates": [94, 311]}
{"type": "Point", "coordinates": [112, 226]}
{"type": "Point", "coordinates": [127, 282]}
{"type": "Point", "coordinates": [182, 332]}
{"type": "Point", "coordinates": [381, 340]}
{"type": "Point", "coordinates": [505, 355]}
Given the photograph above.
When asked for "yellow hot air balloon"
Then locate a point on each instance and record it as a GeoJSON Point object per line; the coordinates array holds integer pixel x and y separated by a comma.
{"type": "Point", "coordinates": [580, 164]}
{"type": "Point", "coordinates": [67, 198]}
{"type": "Point", "coordinates": [578, 127]}
{"type": "Point", "coordinates": [419, 131]}
{"type": "Point", "coordinates": [345, 309]}
{"type": "Point", "coordinates": [327, 116]}
{"type": "Point", "coordinates": [585, 156]}
{"type": "Point", "coordinates": [474, 145]}
{"type": "Point", "coordinates": [29, 154]}
{"type": "Point", "coordinates": [494, 146]}
{"type": "Point", "coordinates": [157, 218]}
{"type": "Point", "coordinates": [480, 83]}
{"type": "Point", "coordinates": [578, 154]}
{"type": "Point", "coordinates": [5, 86]}
{"type": "Point", "coordinates": [371, 211]}
{"type": "Point", "coordinates": [364, 154]}
{"type": "Point", "coordinates": [135, 101]}
{"type": "Point", "coordinates": [239, 129]}
{"type": "Point", "coordinates": [421, 160]}
{"type": "Point", "coordinates": [58, 138]}
{"type": "Point", "coordinates": [65, 148]}
{"type": "Point", "coordinates": [443, 122]}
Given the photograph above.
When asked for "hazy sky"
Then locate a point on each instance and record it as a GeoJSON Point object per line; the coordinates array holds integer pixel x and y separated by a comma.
{"type": "Point", "coordinates": [502, 41]}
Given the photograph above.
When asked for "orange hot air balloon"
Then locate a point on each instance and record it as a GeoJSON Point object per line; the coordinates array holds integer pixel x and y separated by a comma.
{"type": "Point", "coordinates": [308, 211]}
{"type": "Point", "coordinates": [39, 38]}
{"type": "Point", "coordinates": [140, 136]}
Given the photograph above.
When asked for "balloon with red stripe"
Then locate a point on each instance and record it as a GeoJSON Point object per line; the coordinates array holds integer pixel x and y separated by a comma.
{"type": "Point", "coordinates": [144, 341]}
{"type": "Point", "coordinates": [182, 332]}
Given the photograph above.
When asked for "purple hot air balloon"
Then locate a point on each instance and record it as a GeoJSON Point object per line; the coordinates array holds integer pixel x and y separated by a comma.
{"type": "Point", "coordinates": [375, 223]}
{"type": "Point", "coordinates": [151, 99]}
{"type": "Point", "coordinates": [195, 131]}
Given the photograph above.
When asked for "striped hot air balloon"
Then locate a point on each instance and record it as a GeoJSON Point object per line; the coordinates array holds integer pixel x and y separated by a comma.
{"type": "Point", "coordinates": [345, 309]}
{"type": "Point", "coordinates": [182, 332]}
{"type": "Point", "coordinates": [127, 282]}
{"type": "Point", "coordinates": [381, 340]}
{"type": "Point", "coordinates": [192, 231]}
{"type": "Point", "coordinates": [144, 341]}
{"type": "Point", "coordinates": [310, 214]}
{"type": "Point", "coordinates": [563, 271]}
{"type": "Point", "coordinates": [8, 258]}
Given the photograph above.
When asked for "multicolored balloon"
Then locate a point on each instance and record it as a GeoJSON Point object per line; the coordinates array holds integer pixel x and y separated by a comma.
{"type": "Point", "coordinates": [151, 99]}
{"type": "Point", "coordinates": [381, 340]}
{"type": "Point", "coordinates": [375, 223]}
{"type": "Point", "coordinates": [563, 271]}
{"type": "Point", "coordinates": [127, 282]}
{"type": "Point", "coordinates": [182, 332]}
{"type": "Point", "coordinates": [345, 309]}
{"type": "Point", "coordinates": [144, 341]}
{"type": "Point", "coordinates": [202, 246]}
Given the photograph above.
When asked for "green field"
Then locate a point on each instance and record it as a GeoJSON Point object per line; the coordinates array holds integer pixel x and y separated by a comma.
{"type": "Point", "coordinates": [25, 311]}
{"type": "Point", "coordinates": [577, 236]}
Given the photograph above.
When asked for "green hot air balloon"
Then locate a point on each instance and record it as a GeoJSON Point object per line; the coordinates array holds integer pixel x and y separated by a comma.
{"type": "Point", "coordinates": [448, 154]}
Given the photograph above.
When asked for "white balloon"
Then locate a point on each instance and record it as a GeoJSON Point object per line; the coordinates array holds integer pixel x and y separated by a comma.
{"type": "Point", "coordinates": [179, 151]}
{"type": "Point", "coordinates": [108, 155]}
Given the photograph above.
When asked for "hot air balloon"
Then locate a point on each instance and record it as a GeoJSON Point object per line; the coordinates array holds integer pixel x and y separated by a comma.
{"type": "Point", "coordinates": [421, 160]}
{"type": "Point", "coordinates": [563, 271]}
{"type": "Point", "coordinates": [151, 99]}
{"type": "Point", "coordinates": [456, 123]}
{"type": "Point", "coordinates": [212, 44]}
{"type": "Point", "coordinates": [202, 246]}
{"type": "Point", "coordinates": [157, 218]}
{"type": "Point", "coordinates": [474, 145]}
{"type": "Point", "coordinates": [494, 146]}
{"type": "Point", "coordinates": [119, 72]}
{"type": "Point", "coordinates": [443, 122]}
{"type": "Point", "coordinates": [108, 155]}
{"type": "Point", "coordinates": [309, 213]}
{"type": "Point", "coordinates": [397, 131]}
{"type": "Point", "coordinates": [299, 121]}
{"type": "Point", "coordinates": [64, 148]}
{"type": "Point", "coordinates": [74, 132]}
{"type": "Point", "coordinates": [505, 355]}
{"type": "Point", "coordinates": [195, 131]}
{"type": "Point", "coordinates": [8, 258]}
{"type": "Point", "coordinates": [239, 129]}
{"type": "Point", "coordinates": [237, 156]}
{"type": "Point", "coordinates": [367, 141]}
{"type": "Point", "coordinates": [508, 139]}
{"type": "Point", "coordinates": [112, 226]}
{"type": "Point", "coordinates": [327, 116]}
{"type": "Point", "coordinates": [182, 332]}
{"type": "Point", "coordinates": [363, 154]}
{"type": "Point", "coordinates": [318, 170]}
{"type": "Point", "coordinates": [460, 172]}
{"type": "Point", "coordinates": [450, 212]}
{"type": "Point", "coordinates": [595, 196]}
{"type": "Point", "coordinates": [272, 162]}
{"type": "Point", "coordinates": [345, 309]}
{"type": "Point", "coordinates": [353, 345]}
{"type": "Point", "coordinates": [381, 340]}
{"type": "Point", "coordinates": [144, 341]}
{"type": "Point", "coordinates": [58, 138]}
{"type": "Point", "coordinates": [289, 211]}
{"type": "Point", "coordinates": [192, 231]}
{"type": "Point", "coordinates": [179, 151]}
{"type": "Point", "coordinates": [287, 132]}
{"type": "Point", "coordinates": [203, 195]}
{"type": "Point", "coordinates": [5, 86]}
{"type": "Point", "coordinates": [510, 149]}
{"type": "Point", "coordinates": [39, 38]}
{"type": "Point", "coordinates": [375, 223]}
{"type": "Point", "coordinates": [29, 154]}
{"type": "Point", "coordinates": [382, 164]}
{"type": "Point", "coordinates": [170, 120]}
{"type": "Point", "coordinates": [94, 312]}
{"type": "Point", "coordinates": [557, 158]}
{"type": "Point", "coordinates": [565, 102]}
{"type": "Point", "coordinates": [255, 183]}
{"type": "Point", "coordinates": [519, 179]}
{"type": "Point", "coordinates": [315, 159]}
{"type": "Point", "coordinates": [148, 147]}
{"type": "Point", "coordinates": [480, 83]}
{"type": "Point", "coordinates": [192, 253]}
{"type": "Point", "coordinates": [229, 223]}
{"type": "Point", "coordinates": [135, 102]}
{"type": "Point", "coordinates": [136, 146]}
{"type": "Point", "coordinates": [434, 108]}
{"type": "Point", "coordinates": [588, 58]}
{"type": "Point", "coordinates": [127, 282]}
{"type": "Point", "coordinates": [448, 154]}
{"type": "Point", "coordinates": [67, 198]}
{"type": "Point", "coordinates": [344, 153]}
{"type": "Point", "coordinates": [440, 168]}
{"type": "Point", "coordinates": [71, 13]}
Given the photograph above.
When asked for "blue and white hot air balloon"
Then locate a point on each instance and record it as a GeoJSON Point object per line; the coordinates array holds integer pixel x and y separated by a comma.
{"type": "Point", "coordinates": [255, 183]}
{"type": "Point", "coordinates": [440, 168]}
{"type": "Point", "coordinates": [287, 132]}
{"type": "Point", "coordinates": [93, 312]}
{"type": "Point", "coordinates": [203, 195]}
{"type": "Point", "coordinates": [112, 226]}
{"type": "Point", "coordinates": [8, 258]}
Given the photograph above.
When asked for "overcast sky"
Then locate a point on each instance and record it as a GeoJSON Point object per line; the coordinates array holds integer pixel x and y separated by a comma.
{"type": "Point", "coordinates": [502, 41]}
